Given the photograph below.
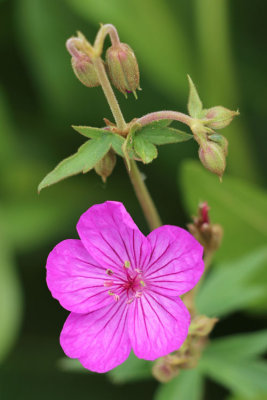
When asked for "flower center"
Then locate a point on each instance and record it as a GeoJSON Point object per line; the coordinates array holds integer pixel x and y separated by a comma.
{"type": "Point", "coordinates": [130, 282]}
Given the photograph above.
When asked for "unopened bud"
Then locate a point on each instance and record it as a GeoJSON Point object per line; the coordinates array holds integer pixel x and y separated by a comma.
{"type": "Point", "coordinates": [123, 68]}
{"type": "Point", "coordinates": [81, 63]}
{"type": "Point", "coordinates": [212, 157]}
{"type": "Point", "coordinates": [105, 166]}
{"type": "Point", "coordinates": [163, 371]}
{"type": "Point", "coordinates": [219, 117]}
{"type": "Point", "coordinates": [202, 325]}
{"type": "Point", "coordinates": [221, 140]}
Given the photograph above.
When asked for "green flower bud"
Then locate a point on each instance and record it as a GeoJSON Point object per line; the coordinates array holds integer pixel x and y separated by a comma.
{"type": "Point", "coordinates": [81, 63]}
{"type": "Point", "coordinates": [212, 157]}
{"type": "Point", "coordinates": [123, 68]}
{"type": "Point", "coordinates": [221, 140]}
{"type": "Point", "coordinates": [202, 325]}
{"type": "Point", "coordinates": [105, 166]}
{"type": "Point", "coordinates": [219, 117]}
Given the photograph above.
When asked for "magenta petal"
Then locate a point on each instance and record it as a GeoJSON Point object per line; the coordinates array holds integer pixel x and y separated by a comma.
{"type": "Point", "coordinates": [99, 339]}
{"type": "Point", "coordinates": [176, 263]}
{"type": "Point", "coordinates": [158, 325]}
{"type": "Point", "coordinates": [75, 278]}
{"type": "Point", "coordinates": [111, 237]}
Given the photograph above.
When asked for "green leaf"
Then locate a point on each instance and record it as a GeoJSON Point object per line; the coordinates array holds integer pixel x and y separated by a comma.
{"type": "Point", "coordinates": [162, 135]}
{"type": "Point", "coordinates": [194, 102]}
{"type": "Point", "coordinates": [87, 156]}
{"type": "Point", "coordinates": [238, 347]}
{"type": "Point", "coordinates": [144, 149]}
{"type": "Point", "coordinates": [71, 365]}
{"type": "Point", "coordinates": [229, 287]}
{"type": "Point", "coordinates": [10, 299]}
{"type": "Point", "coordinates": [244, 378]}
{"type": "Point", "coordinates": [133, 369]}
{"type": "Point", "coordinates": [188, 385]}
{"type": "Point", "coordinates": [90, 132]}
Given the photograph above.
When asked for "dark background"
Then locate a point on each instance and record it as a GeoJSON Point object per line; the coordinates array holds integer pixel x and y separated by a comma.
{"type": "Point", "coordinates": [220, 43]}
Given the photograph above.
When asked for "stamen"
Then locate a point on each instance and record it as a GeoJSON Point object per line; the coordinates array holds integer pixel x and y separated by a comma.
{"type": "Point", "coordinates": [127, 264]}
{"type": "Point", "coordinates": [108, 283]}
{"type": "Point", "coordinates": [142, 283]}
{"type": "Point", "coordinates": [138, 295]}
{"type": "Point", "coordinates": [109, 272]}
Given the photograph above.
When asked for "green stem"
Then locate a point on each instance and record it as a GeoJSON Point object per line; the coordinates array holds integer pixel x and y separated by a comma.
{"type": "Point", "coordinates": [110, 96]}
{"type": "Point", "coordinates": [166, 114]}
{"type": "Point", "coordinates": [144, 197]}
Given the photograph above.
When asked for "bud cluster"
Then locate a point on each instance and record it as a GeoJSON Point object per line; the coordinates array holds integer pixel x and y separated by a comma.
{"type": "Point", "coordinates": [166, 368]}
{"type": "Point", "coordinates": [208, 234]}
{"type": "Point", "coordinates": [213, 146]}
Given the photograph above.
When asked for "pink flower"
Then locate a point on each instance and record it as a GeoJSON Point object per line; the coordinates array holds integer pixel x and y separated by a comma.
{"type": "Point", "coordinates": [123, 288]}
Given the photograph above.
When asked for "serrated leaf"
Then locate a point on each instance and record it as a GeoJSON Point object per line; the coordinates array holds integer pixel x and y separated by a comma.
{"type": "Point", "coordinates": [90, 132]}
{"type": "Point", "coordinates": [244, 378]}
{"type": "Point", "coordinates": [238, 347]}
{"type": "Point", "coordinates": [228, 287]}
{"type": "Point", "coordinates": [117, 143]}
{"type": "Point", "coordinates": [188, 385]}
{"type": "Point", "coordinates": [146, 150]}
{"type": "Point", "coordinates": [86, 157]}
{"type": "Point", "coordinates": [194, 102]}
{"type": "Point", "coordinates": [162, 135]}
{"type": "Point", "coordinates": [133, 369]}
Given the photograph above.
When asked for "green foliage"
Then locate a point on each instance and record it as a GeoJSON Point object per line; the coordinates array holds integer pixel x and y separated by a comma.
{"type": "Point", "coordinates": [146, 150]}
{"type": "Point", "coordinates": [85, 159]}
{"type": "Point", "coordinates": [244, 378]}
{"type": "Point", "coordinates": [230, 285]}
{"type": "Point", "coordinates": [188, 385]}
{"type": "Point", "coordinates": [194, 103]}
{"type": "Point", "coordinates": [133, 369]}
{"type": "Point", "coordinates": [239, 347]}
{"type": "Point", "coordinates": [10, 299]}
{"type": "Point", "coordinates": [159, 133]}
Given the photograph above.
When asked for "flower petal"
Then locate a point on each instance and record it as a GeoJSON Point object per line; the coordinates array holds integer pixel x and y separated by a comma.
{"type": "Point", "coordinates": [99, 339]}
{"type": "Point", "coordinates": [111, 237]}
{"type": "Point", "coordinates": [175, 265]}
{"type": "Point", "coordinates": [75, 278]}
{"type": "Point", "coordinates": [158, 325]}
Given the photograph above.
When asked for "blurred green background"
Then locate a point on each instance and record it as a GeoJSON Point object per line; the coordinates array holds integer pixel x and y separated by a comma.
{"type": "Point", "coordinates": [222, 45]}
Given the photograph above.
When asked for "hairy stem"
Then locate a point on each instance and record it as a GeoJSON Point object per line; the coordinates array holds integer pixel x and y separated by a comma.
{"type": "Point", "coordinates": [144, 197]}
{"type": "Point", "coordinates": [107, 29]}
{"type": "Point", "coordinates": [110, 96]}
{"type": "Point", "coordinates": [166, 114]}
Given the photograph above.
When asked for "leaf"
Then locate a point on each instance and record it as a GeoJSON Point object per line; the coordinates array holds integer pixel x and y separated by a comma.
{"type": "Point", "coordinates": [243, 378]}
{"type": "Point", "coordinates": [71, 365]}
{"type": "Point", "coordinates": [133, 369]}
{"type": "Point", "coordinates": [238, 347]}
{"type": "Point", "coordinates": [194, 102]}
{"type": "Point", "coordinates": [229, 287]}
{"type": "Point", "coordinates": [162, 135]}
{"type": "Point", "coordinates": [240, 207]}
{"type": "Point", "coordinates": [188, 385]}
{"type": "Point", "coordinates": [87, 156]}
{"type": "Point", "coordinates": [90, 132]}
{"type": "Point", "coordinates": [144, 149]}
{"type": "Point", "coordinates": [10, 299]}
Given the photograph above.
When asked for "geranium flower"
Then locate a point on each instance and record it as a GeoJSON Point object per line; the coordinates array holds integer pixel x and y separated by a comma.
{"type": "Point", "coordinates": [123, 288]}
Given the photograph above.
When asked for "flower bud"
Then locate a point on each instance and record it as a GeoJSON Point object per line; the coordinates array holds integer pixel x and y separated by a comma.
{"type": "Point", "coordinates": [105, 166]}
{"type": "Point", "coordinates": [81, 63]}
{"type": "Point", "coordinates": [123, 68]}
{"type": "Point", "coordinates": [212, 157]}
{"type": "Point", "coordinates": [219, 117]}
{"type": "Point", "coordinates": [202, 325]}
{"type": "Point", "coordinates": [163, 371]}
{"type": "Point", "coordinates": [221, 140]}
{"type": "Point", "coordinates": [208, 234]}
